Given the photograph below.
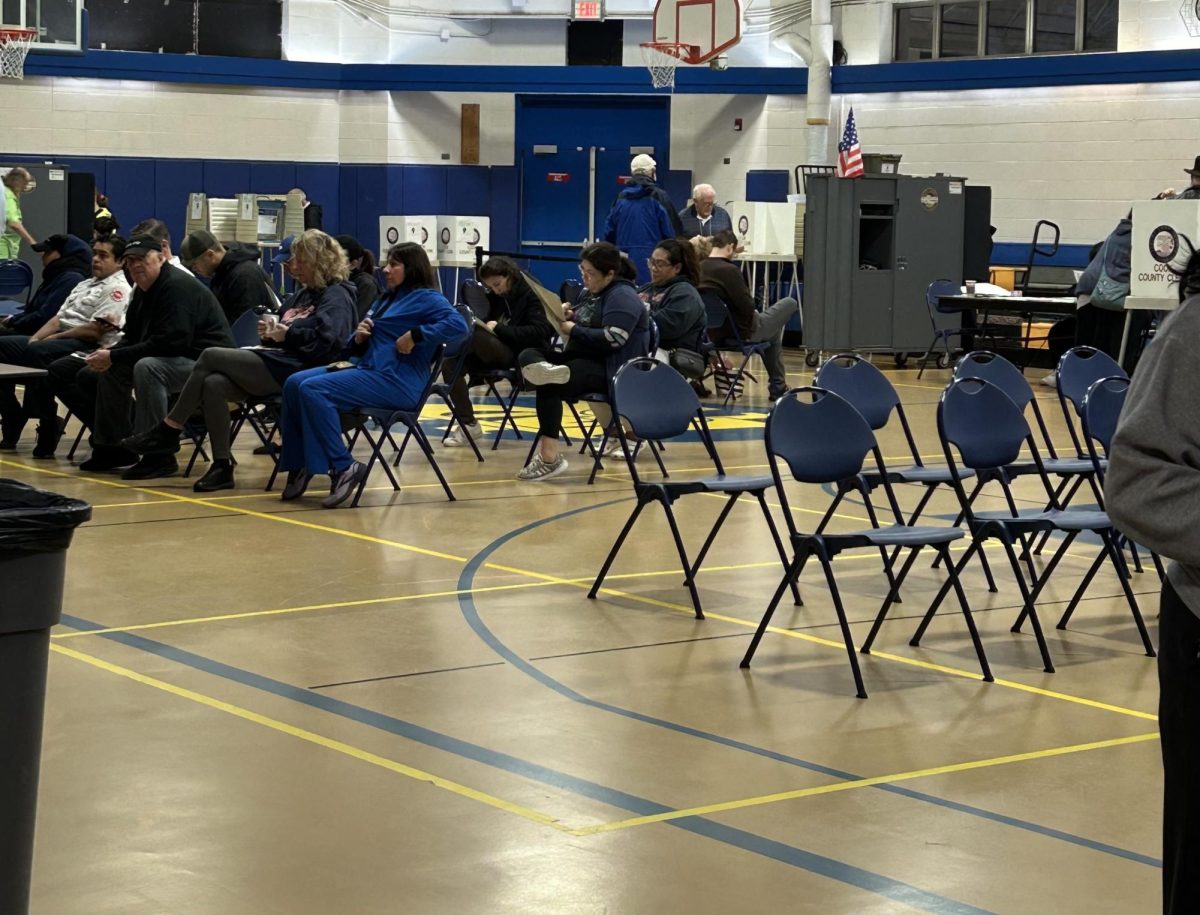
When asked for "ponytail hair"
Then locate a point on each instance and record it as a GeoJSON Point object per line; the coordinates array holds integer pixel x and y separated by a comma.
{"type": "Point", "coordinates": [681, 252]}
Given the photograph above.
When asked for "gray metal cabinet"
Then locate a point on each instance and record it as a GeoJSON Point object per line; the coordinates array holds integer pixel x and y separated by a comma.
{"type": "Point", "coordinates": [43, 210]}
{"type": "Point", "coordinates": [872, 247]}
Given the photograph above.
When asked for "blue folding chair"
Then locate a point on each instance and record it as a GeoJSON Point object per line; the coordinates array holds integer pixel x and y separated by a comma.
{"type": "Point", "coordinates": [386, 418]}
{"type": "Point", "coordinates": [941, 334]}
{"type": "Point", "coordinates": [16, 277]}
{"type": "Point", "coordinates": [823, 439]}
{"type": "Point", "coordinates": [450, 371]}
{"type": "Point", "coordinates": [719, 316]}
{"type": "Point", "coordinates": [474, 295]}
{"type": "Point", "coordinates": [1078, 369]}
{"type": "Point", "coordinates": [988, 430]}
{"type": "Point", "coordinates": [657, 403]}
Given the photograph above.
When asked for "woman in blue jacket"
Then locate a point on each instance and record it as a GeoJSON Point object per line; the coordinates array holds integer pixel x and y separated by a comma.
{"type": "Point", "coordinates": [393, 345]}
{"type": "Point", "coordinates": [592, 355]}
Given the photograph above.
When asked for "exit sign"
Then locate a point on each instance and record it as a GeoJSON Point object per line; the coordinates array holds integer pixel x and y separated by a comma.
{"type": "Point", "coordinates": [592, 10]}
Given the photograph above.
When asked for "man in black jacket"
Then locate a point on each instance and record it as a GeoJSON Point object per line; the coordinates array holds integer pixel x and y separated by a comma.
{"type": "Point", "coordinates": [171, 319]}
{"type": "Point", "coordinates": [66, 262]}
{"type": "Point", "coordinates": [234, 274]}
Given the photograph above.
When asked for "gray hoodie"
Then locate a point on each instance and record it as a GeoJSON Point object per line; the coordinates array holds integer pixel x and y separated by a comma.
{"type": "Point", "coordinates": [1152, 488]}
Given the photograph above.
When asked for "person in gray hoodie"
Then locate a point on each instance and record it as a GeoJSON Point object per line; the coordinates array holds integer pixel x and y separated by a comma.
{"type": "Point", "coordinates": [1152, 493]}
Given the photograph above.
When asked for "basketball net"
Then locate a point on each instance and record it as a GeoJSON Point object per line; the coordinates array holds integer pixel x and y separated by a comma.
{"type": "Point", "coordinates": [661, 58]}
{"type": "Point", "coordinates": [14, 46]}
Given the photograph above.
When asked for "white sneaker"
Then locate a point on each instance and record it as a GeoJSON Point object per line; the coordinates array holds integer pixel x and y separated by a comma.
{"type": "Point", "coordinates": [537, 469]}
{"type": "Point", "coordinates": [1050, 381]}
{"type": "Point", "coordinates": [612, 448]}
{"type": "Point", "coordinates": [539, 373]}
{"type": "Point", "coordinates": [458, 435]}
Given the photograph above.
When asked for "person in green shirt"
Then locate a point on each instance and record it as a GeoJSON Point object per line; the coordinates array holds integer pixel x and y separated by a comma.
{"type": "Point", "coordinates": [16, 183]}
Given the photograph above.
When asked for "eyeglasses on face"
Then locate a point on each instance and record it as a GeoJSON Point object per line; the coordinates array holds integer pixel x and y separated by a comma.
{"type": "Point", "coordinates": [652, 263]}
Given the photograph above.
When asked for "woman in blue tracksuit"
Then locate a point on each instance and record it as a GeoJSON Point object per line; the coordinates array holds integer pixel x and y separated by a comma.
{"type": "Point", "coordinates": [394, 345]}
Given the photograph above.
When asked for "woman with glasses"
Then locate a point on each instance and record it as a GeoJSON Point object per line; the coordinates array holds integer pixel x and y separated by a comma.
{"type": "Point", "coordinates": [593, 354]}
{"type": "Point", "coordinates": [674, 301]}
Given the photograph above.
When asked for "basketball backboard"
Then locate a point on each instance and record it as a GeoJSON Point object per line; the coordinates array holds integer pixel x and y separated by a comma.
{"type": "Point", "coordinates": [59, 23]}
{"type": "Point", "coordinates": [713, 26]}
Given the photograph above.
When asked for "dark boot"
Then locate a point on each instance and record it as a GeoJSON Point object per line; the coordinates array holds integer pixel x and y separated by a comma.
{"type": "Point", "coordinates": [106, 458]}
{"type": "Point", "coordinates": [12, 419]}
{"type": "Point", "coordinates": [152, 466]}
{"type": "Point", "coordinates": [161, 439]}
{"type": "Point", "coordinates": [49, 433]}
{"type": "Point", "coordinates": [219, 476]}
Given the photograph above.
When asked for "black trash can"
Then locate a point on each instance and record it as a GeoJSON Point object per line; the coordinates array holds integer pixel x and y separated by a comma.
{"type": "Point", "coordinates": [35, 531]}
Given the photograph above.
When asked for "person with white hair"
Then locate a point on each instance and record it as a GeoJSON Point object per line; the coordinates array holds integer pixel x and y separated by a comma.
{"type": "Point", "coordinates": [642, 215]}
{"type": "Point", "coordinates": [704, 219]}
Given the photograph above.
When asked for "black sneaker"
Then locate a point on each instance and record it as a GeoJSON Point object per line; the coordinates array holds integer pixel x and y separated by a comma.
{"type": "Point", "coordinates": [219, 476]}
{"type": "Point", "coordinates": [106, 458]}
{"type": "Point", "coordinates": [297, 483]}
{"type": "Point", "coordinates": [152, 466]}
{"type": "Point", "coordinates": [48, 439]}
{"type": "Point", "coordinates": [269, 448]}
{"type": "Point", "coordinates": [344, 485]}
{"type": "Point", "coordinates": [161, 439]}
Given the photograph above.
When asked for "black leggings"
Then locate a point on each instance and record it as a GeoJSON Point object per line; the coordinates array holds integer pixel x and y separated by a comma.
{"type": "Point", "coordinates": [587, 377]}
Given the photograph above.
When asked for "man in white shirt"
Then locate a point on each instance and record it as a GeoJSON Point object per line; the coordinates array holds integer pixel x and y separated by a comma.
{"type": "Point", "coordinates": [90, 317]}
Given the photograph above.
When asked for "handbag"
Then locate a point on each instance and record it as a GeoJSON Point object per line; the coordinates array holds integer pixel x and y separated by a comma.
{"type": "Point", "coordinates": [687, 362]}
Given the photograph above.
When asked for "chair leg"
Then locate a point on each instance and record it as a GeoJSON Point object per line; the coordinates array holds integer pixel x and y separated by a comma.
{"type": "Point", "coordinates": [1079, 592]}
{"type": "Point", "coordinates": [1111, 548]}
{"type": "Point", "coordinates": [928, 354]}
{"type": "Point", "coordinates": [616, 547]}
{"type": "Point", "coordinates": [984, 667]}
{"type": "Point", "coordinates": [889, 600]}
{"type": "Point", "coordinates": [975, 547]}
{"type": "Point", "coordinates": [371, 461]}
{"type": "Point", "coordinates": [827, 566]}
{"type": "Point", "coordinates": [1045, 577]}
{"type": "Point", "coordinates": [790, 575]}
{"type": "Point", "coordinates": [712, 535]}
{"type": "Point", "coordinates": [1027, 603]}
{"type": "Point", "coordinates": [427, 448]}
{"type": "Point", "coordinates": [683, 558]}
{"type": "Point", "coordinates": [658, 459]}
{"type": "Point", "coordinates": [762, 501]}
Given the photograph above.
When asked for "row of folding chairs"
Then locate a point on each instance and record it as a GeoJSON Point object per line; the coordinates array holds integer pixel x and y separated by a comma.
{"type": "Point", "coordinates": [824, 434]}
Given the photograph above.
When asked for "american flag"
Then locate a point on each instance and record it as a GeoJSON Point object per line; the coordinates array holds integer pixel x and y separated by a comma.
{"type": "Point", "coordinates": [850, 163]}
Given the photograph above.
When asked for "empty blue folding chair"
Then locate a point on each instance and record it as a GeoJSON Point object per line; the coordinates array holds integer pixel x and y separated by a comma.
{"type": "Point", "coordinates": [823, 439]}
{"type": "Point", "coordinates": [988, 430]}
{"type": "Point", "coordinates": [656, 402]}
{"type": "Point", "coordinates": [16, 277]}
{"type": "Point", "coordinates": [937, 316]}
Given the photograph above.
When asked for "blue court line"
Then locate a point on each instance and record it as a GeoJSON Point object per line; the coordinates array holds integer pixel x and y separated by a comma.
{"type": "Point", "coordinates": [747, 841]}
{"type": "Point", "coordinates": [471, 614]}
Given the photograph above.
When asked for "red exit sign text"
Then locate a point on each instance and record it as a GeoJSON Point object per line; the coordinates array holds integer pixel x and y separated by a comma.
{"type": "Point", "coordinates": [589, 9]}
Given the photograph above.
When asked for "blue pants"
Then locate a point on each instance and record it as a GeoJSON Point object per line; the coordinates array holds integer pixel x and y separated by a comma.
{"type": "Point", "coordinates": [310, 422]}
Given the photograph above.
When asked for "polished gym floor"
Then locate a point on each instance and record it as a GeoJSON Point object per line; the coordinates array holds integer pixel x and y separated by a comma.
{"type": "Point", "coordinates": [413, 707]}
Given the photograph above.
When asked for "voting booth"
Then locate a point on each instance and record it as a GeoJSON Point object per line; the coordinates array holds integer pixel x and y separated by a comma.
{"type": "Point", "coordinates": [1165, 235]}
{"type": "Point", "coordinates": [420, 229]}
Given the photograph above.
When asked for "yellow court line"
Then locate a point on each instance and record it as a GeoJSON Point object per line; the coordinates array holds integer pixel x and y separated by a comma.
{"type": "Point", "coordinates": [912, 662]}
{"type": "Point", "coordinates": [337, 746]}
{"type": "Point", "coordinates": [854, 784]}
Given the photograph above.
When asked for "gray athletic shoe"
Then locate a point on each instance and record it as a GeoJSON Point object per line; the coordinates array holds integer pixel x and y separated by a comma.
{"type": "Point", "coordinates": [297, 483]}
{"type": "Point", "coordinates": [539, 373]}
{"type": "Point", "coordinates": [458, 435]}
{"type": "Point", "coordinates": [343, 487]}
{"type": "Point", "coordinates": [537, 469]}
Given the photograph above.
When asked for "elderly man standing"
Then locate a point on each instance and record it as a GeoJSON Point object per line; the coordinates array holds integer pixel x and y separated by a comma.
{"type": "Point", "coordinates": [172, 319]}
{"type": "Point", "coordinates": [704, 219]}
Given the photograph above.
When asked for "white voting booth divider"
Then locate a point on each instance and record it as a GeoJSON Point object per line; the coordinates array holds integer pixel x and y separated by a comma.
{"type": "Point", "coordinates": [1165, 235]}
{"type": "Point", "coordinates": [449, 241]}
{"type": "Point", "coordinates": [769, 233]}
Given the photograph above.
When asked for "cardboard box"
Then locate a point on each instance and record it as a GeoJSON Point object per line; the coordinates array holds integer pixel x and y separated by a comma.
{"type": "Point", "coordinates": [396, 229]}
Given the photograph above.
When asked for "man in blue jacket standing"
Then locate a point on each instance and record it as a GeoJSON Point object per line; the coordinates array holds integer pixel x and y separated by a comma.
{"type": "Point", "coordinates": [642, 216]}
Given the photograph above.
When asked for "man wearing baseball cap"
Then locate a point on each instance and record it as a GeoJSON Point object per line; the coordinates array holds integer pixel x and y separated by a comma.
{"type": "Point", "coordinates": [172, 318]}
{"type": "Point", "coordinates": [66, 262]}
{"type": "Point", "coordinates": [642, 216]}
{"type": "Point", "coordinates": [235, 277]}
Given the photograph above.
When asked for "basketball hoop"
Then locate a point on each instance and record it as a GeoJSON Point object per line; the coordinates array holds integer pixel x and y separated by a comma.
{"type": "Point", "coordinates": [15, 43]}
{"type": "Point", "coordinates": [662, 57]}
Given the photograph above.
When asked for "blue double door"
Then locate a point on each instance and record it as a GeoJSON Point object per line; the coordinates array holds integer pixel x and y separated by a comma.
{"type": "Point", "coordinates": [574, 153]}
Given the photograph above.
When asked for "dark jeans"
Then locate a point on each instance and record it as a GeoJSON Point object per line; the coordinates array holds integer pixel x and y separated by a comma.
{"type": "Point", "coordinates": [487, 352]}
{"type": "Point", "coordinates": [39, 396]}
{"type": "Point", "coordinates": [587, 377]}
{"type": "Point", "coordinates": [104, 401]}
{"type": "Point", "coordinates": [1179, 725]}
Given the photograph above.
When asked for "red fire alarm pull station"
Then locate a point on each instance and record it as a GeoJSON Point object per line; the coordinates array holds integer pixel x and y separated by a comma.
{"type": "Point", "coordinates": [558, 177]}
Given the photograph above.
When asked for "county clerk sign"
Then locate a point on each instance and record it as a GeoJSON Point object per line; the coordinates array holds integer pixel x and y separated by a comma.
{"type": "Point", "coordinates": [1165, 233]}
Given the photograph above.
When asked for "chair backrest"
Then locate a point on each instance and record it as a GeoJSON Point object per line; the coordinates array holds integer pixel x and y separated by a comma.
{"type": "Point", "coordinates": [716, 314]}
{"type": "Point", "coordinates": [15, 277]}
{"type": "Point", "coordinates": [854, 379]}
{"type": "Point", "coordinates": [1079, 368]}
{"type": "Point", "coordinates": [474, 294]}
{"type": "Point", "coordinates": [1099, 412]}
{"type": "Point", "coordinates": [245, 329]}
{"type": "Point", "coordinates": [459, 347]}
{"type": "Point", "coordinates": [934, 293]}
{"type": "Point", "coordinates": [654, 335]}
{"type": "Point", "coordinates": [978, 418]}
{"type": "Point", "coordinates": [654, 399]}
{"type": "Point", "coordinates": [999, 371]}
{"type": "Point", "coordinates": [569, 291]}
{"type": "Point", "coordinates": [820, 436]}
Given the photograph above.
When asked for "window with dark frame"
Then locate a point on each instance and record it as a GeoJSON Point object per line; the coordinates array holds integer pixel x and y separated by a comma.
{"type": "Point", "coordinates": [995, 28]}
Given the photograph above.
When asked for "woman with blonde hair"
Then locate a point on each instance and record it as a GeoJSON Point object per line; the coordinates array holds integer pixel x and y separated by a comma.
{"type": "Point", "coordinates": [16, 183]}
{"type": "Point", "coordinates": [311, 332]}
